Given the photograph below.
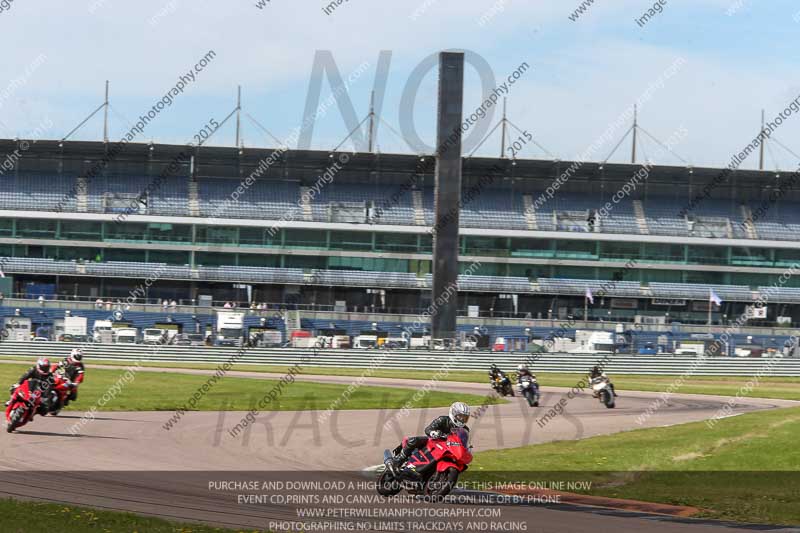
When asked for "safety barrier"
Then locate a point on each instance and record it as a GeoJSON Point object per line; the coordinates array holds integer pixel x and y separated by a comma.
{"type": "Point", "coordinates": [414, 360]}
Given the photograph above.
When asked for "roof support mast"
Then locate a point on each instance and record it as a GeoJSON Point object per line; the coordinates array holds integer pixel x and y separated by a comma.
{"type": "Point", "coordinates": [104, 106]}
{"type": "Point", "coordinates": [635, 127]}
{"type": "Point", "coordinates": [371, 121]}
{"type": "Point", "coordinates": [105, 116]}
{"type": "Point", "coordinates": [761, 146]}
{"type": "Point", "coordinates": [238, 113]}
{"type": "Point", "coordinates": [503, 124]}
{"type": "Point", "coordinates": [503, 132]}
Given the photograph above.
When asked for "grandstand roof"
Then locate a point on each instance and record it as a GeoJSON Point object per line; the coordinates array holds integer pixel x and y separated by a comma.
{"type": "Point", "coordinates": [303, 165]}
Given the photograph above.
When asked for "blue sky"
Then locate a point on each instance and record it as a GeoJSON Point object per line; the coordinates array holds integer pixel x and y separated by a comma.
{"type": "Point", "coordinates": [583, 73]}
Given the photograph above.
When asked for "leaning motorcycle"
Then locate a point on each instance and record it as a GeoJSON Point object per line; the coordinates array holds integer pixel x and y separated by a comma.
{"type": "Point", "coordinates": [529, 388]}
{"type": "Point", "coordinates": [22, 406]}
{"type": "Point", "coordinates": [502, 385]}
{"type": "Point", "coordinates": [59, 392]}
{"type": "Point", "coordinates": [604, 390]}
{"type": "Point", "coordinates": [431, 471]}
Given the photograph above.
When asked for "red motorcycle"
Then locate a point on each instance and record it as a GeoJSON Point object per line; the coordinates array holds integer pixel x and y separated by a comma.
{"type": "Point", "coordinates": [430, 471]}
{"type": "Point", "coordinates": [22, 406]}
{"type": "Point", "coordinates": [61, 389]}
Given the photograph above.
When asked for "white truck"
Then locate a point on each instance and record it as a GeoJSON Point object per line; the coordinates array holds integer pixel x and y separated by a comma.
{"type": "Point", "coordinates": [102, 331]}
{"type": "Point", "coordinates": [594, 342]}
{"type": "Point", "coordinates": [419, 340]}
{"type": "Point", "coordinates": [126, 335]}
{"type": "Point", "coordinates": [230, 328]}
{"type": "Point", "coordinates": [76, 327]}
{"type": "Point", "coordinates": [366, 340]}
{"type": "Point", "coordinates": [154, 336]}
{"type": "Point", "coordinates": [586, 341]}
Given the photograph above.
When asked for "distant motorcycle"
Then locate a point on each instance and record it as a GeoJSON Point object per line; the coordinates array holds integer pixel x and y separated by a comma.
{"type": "Point", "coordinates": [529, 388]}
{"type": "Point", "coordinates": [604, 390]}
{"type": "Point", "coordinates": [431, 471]}
{"type": "Point", "coordinates": [502, 385]}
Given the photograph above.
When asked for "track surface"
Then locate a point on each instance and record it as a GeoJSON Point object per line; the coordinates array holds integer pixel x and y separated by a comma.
{"type": "Point", "coordinates": [128, 455]}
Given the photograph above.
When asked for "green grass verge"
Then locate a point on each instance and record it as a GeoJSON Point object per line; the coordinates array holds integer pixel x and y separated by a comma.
{"type": "Point", "coordinates": [784, 388]}
{"type": "Point", "coordinates": [34, 517]}
{"type": "Point", "coordinates": [167, 391]}
{"type": "Point", "coordinates": [745, 468]}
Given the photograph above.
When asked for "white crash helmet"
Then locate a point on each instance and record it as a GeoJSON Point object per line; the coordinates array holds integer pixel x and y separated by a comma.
{"type": "Point", "coordinates": [75, 356]}
{"type": "Point", "coordinates": [459, 414]}
{"type": "Point", "coordinates": [520, 368]}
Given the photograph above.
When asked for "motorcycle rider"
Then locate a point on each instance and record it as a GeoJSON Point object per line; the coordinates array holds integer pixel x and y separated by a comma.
{"type": "Point", "coordinates": [498, 380]}
{"type": "Point", "coordinates": [73, 370]}
{"type": "Point", "coordinates": [41, 379]}
{"type": "Point", "coordinates": [523, 371]}
{"type": "Point", "coordinates": [597, 372]}
{"type": "Point", "coordinates": [495, 372]}
{"type": "Point", "coordinates": [440, 428]}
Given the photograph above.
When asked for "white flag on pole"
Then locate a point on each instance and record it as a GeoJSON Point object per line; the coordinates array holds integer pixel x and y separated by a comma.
{"type": "Point", "coordinates": [713, 298]}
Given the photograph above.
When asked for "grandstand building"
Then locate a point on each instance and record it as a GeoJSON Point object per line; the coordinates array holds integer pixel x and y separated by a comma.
{"type": "Point", "coordinates": [355, 231]}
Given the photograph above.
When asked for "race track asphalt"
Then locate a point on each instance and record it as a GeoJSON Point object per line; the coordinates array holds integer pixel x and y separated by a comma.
{"type": "Point", "coordinates": [131, 462]}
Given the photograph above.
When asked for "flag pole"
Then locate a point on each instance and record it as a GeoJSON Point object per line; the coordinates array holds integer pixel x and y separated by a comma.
{"type": "Point", "coordinates": [710, 303]}
{"type": "Point", "coordinates": [586, 308]}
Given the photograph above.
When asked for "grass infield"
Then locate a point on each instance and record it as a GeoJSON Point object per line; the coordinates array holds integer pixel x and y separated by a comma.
{"type": "Point", "coordinates": [746, 468]}
{"type": "Point", "coordinates": [785, 388]}
{"type": "Point", "coordinates": [34, 517]}
{"type": "Point", "coordinates": [167, 391]}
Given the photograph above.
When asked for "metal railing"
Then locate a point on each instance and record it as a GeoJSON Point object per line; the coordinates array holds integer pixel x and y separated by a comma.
{"type": "Point", "coordinates": [416, 359]}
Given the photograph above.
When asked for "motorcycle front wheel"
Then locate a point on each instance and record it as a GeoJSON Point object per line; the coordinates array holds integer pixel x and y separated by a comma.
{"type": "Point", "coordinates": [531, 398]}
{"type": "Point", "coordinates": [608, 399]}
{"type": "Point", "coordinates": [14, 420]}
{"type": "Point", "coordinates": [440, 484]}
{"type": "Point", "coordinates": [388, 485]}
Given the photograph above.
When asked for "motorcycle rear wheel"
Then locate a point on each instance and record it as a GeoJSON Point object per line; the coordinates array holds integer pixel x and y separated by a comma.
{"type": "Point", "coordinates": [388, 485]}
{"type": "Point", "coordinates": [440, 484]}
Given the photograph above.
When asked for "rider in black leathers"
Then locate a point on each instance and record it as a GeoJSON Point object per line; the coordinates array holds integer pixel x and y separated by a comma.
{"type": "Point", "coordinates": [41, 379]}
{"type": "Point", "coordinates": [440, 428]}
{"type": "Point", "coordinates": [495, 372]}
